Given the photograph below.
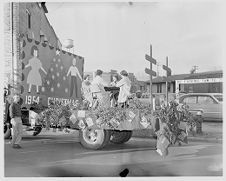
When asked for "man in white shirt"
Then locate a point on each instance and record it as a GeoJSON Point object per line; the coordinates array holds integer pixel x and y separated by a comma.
{"type": "Point", "coordinates": [98, 82]}
{"type": "Point", "coordinates": [100, 96]}
{"type": "Point", "coordinates": [125, 85]}
{"type": "Point", "coordinates": [73, 70]}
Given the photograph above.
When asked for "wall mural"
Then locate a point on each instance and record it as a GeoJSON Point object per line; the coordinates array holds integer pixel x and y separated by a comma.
{"type": "Point", "coordinates": [49, 74]}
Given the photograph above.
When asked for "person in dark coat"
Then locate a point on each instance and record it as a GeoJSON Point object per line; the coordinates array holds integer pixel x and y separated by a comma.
{"type": "Point", "coordinates": [16, 122]}
{"type": "Point", "coordinates": [8, 101]}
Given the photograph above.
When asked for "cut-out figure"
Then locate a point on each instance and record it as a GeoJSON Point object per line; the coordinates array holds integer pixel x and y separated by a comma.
{"type": "Point", "coordinates": [34, 76]}
{"type": "Point", "coordinates": [73, 70]}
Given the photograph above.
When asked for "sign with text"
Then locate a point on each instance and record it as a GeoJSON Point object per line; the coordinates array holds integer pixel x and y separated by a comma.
{"type": "Point", "coordinates": [49, 73]}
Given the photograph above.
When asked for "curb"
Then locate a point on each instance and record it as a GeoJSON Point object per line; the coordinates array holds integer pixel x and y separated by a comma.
{"type": "Point", "coordinates": [200, 139]}
{"type": "Point", "coordinates": [190, 139]}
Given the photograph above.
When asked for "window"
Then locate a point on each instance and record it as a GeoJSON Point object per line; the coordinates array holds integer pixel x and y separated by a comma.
{"type": "Point", "coordinates": [190, 100]}
{"type": "Point", "coordinates": [28, 19]}
{"type": "Point", "coordinates": [205, 100]}
{"type": "Point", "coordinates": [159, 88]}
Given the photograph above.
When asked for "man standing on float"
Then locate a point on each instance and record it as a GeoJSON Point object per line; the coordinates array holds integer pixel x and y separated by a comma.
{"type": "Point", "coordinates": [73, 70]}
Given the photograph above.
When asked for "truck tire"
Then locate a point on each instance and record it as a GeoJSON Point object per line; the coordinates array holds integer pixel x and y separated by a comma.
{"type": "Point", "coordinates": [37, 131]}
{"type": "Point", "coordinates": [94, 138]}
{"type": "Point", "coordinates": [119, 137]}
{"type": "Point", "coordinates": [7, 131]}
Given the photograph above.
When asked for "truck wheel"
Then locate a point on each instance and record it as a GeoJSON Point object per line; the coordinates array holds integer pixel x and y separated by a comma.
{"type": "Point", "coordinates": [119, 137]}
{"type": "Point", "coordinates": [7, 131]}
{"type": "Point", "coordinates": [94, 138]}
{"type": "Point", "coordinates": [37, 131]}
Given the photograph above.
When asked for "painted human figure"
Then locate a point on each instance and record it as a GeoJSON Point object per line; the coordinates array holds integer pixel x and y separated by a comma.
{"type": "Point", "coordinates": [73, 70]}
{"type": "Point", "coordinates": [34, 76]}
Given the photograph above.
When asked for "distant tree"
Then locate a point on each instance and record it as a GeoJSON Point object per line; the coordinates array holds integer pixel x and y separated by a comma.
{"type": "Point", "coordinates": [193, 69]}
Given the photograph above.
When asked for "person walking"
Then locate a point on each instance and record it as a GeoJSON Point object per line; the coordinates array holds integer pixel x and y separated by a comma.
{"type": "Point", "coordinates": [8, 102]}
{"type": "Point", "coordinates": [125, 85]}
{"type": "Point", "coordinates": [15, 115]}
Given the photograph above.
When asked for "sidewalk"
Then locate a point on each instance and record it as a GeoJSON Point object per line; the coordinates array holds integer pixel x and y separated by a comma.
{"type": "Point", "coordinates": [212, 132]}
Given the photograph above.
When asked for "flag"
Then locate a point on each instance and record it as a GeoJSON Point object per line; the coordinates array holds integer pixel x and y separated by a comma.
{"type": "Point", "coordinates": [81, 114]}
{"type": "Point", "coordinates": [73, 118]}
{"type": "Point", "coordinates": [89, 121]}
{"type": "Point", "coordinates": [144, 122]}
{"type": "Point", "coordinates": [162, 145]}
{"type": "Point", "coordinates": [81, 124]}
{"type": "Point", "coordinates": [114, 123]}
{"type": "Point", "coordinates": [183, 136]}
{"type": "Point", "coordinates": [99, 122]}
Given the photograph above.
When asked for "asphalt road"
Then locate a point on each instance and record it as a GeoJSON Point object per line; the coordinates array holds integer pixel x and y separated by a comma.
{"type": "Point", "coordinates": [54, 155]}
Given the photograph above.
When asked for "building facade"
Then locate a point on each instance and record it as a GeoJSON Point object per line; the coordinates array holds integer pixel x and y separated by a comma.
{"type": "Point", "coordinates": [24, 19]}
{"type": "Point", "coordinates": [205, 82]}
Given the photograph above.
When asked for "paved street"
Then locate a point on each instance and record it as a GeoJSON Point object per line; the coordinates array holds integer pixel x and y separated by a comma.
{"type": "Point", "coordinates": [53, 155]}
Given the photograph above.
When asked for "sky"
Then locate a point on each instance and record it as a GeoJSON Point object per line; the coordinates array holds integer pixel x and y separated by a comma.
{"type": "Point", "coordinates": [118, 35]}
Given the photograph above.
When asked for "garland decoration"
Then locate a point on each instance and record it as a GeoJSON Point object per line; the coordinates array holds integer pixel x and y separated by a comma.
{"type": "Point", "coordinates": [170, 122]}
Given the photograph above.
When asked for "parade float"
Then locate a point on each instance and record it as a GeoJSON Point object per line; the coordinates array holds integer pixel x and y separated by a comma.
{"type": "Point", "coordinates": [97, 127]}
{"type": "Point", "coordinates": [49, 100]}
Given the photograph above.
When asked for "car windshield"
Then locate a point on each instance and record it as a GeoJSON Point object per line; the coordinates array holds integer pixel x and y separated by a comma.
{"type": "Point", "coordinates": [219, 98]}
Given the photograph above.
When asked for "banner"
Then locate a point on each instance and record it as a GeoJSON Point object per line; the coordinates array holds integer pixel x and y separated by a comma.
{"type": "Point", "coordinates": [49, 74]}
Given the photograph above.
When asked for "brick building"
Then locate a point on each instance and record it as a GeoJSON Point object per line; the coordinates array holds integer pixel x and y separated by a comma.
{"type": "Point", "coordinates": [24, 19]}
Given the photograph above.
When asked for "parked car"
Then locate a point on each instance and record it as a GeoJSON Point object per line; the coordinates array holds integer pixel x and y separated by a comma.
{"type": "Point", "coordinates": [145, 98]}
{"type": "Point", "coordinates": [210, 103]}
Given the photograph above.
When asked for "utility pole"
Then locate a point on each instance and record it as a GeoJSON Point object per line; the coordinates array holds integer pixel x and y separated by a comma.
{"type": "Point", "coordinates": [168, 73]}
{"type": "Point", "coordinates": [150, 71]}
{"type": "Point", "coordinates": [12, 44]}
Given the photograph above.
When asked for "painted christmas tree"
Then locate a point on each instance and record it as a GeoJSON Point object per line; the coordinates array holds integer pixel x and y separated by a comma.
{"type": "Point", "coordinates": [56, 83]}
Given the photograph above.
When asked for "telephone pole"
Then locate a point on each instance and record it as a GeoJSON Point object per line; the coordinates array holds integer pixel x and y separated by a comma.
{"type": "Point", "coordinates": [150, 71]}
{"type": "Point", "coordinates": [168, 73]}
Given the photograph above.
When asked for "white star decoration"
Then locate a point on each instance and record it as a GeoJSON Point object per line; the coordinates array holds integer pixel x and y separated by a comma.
{"type": "Point", "coordinates": [57, 52]}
